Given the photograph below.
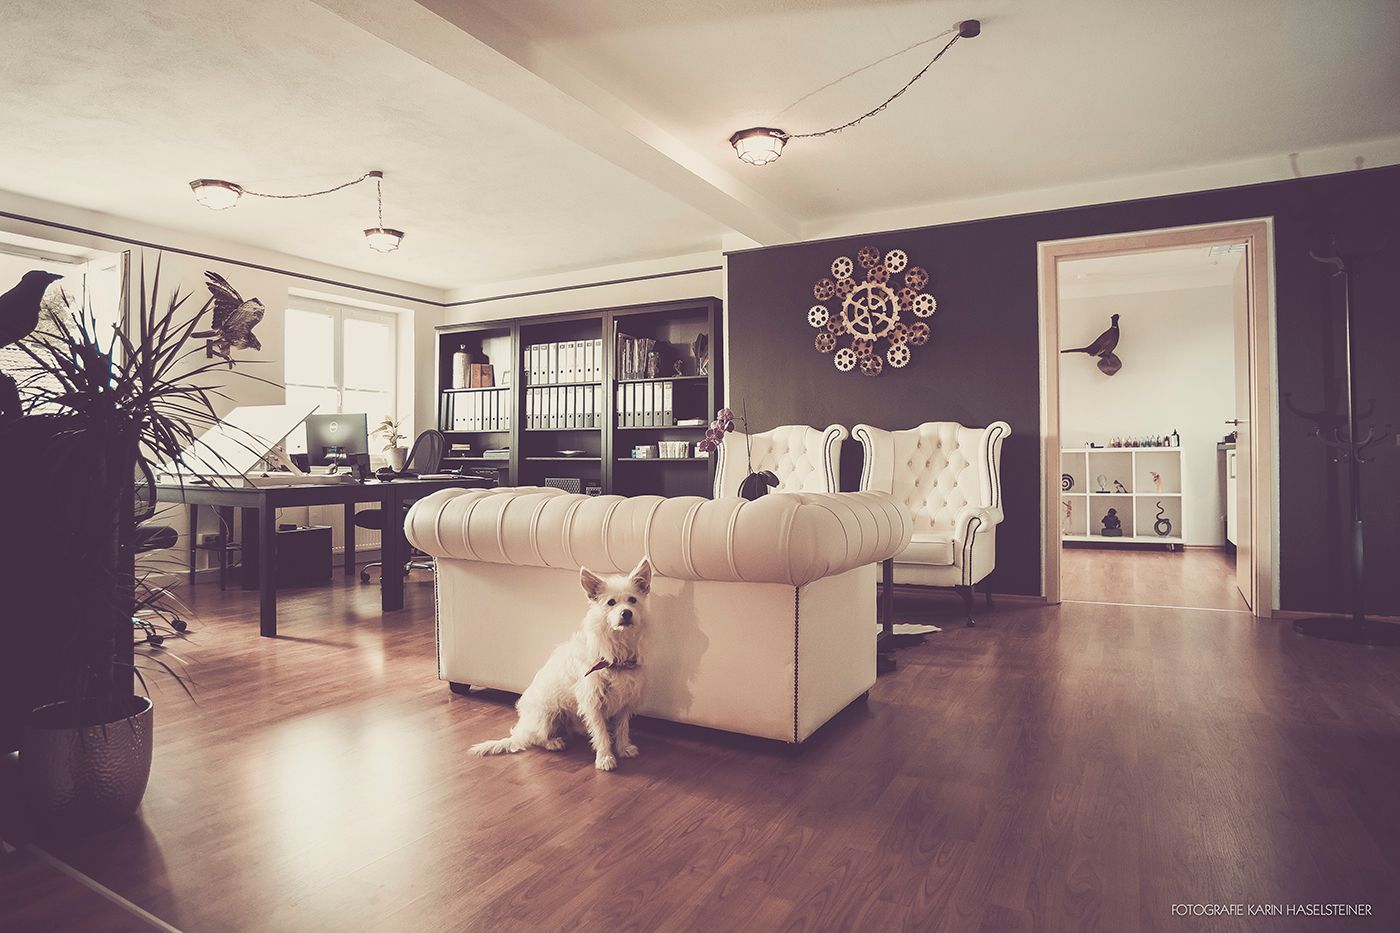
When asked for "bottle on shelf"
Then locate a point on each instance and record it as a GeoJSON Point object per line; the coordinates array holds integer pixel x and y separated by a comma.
{"type": "Point", "coordinates": [1176, 438]}
{"type": "Point", "coordinates": [461, 367]}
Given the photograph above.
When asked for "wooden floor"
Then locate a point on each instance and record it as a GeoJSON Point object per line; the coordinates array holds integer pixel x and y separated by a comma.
{"type": "Point", "coordinates": [1076, 768]}
{"type": "Point", "coordinates": [1191, 578]}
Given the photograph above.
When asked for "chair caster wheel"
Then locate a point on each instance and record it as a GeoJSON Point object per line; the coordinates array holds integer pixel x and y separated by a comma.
{"type": "Point", "coordinates": [971, 624]}
{"type": "Point", "coordinates": [364, 578]}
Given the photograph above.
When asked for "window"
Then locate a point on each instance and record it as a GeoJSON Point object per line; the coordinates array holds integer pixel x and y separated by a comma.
{"type": "Point", "coordinates": [342, 360]}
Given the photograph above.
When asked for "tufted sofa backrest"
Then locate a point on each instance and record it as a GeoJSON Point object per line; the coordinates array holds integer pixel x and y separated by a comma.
{"type": "Point", "coordinates": [936, 469]}
{"type": "Point", "coordinates": [804, 459]}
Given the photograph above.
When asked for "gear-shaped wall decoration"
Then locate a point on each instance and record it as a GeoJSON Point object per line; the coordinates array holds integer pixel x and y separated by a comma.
{"type": "Point", "coordinates": [861, 310]}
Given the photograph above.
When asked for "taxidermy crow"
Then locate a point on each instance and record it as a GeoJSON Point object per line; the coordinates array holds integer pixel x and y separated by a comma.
{"type": "Point", "coordinates": [19, 307]}
{"type": "Point", "coordinates": [234, 320]}
{"type": "Point", "coordinates": [1103, 347]}
{"type": "Point", "coordinates": [19, 315]}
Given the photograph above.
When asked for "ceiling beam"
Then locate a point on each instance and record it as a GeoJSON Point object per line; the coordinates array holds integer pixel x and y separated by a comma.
{"type": "Point", "coordinates": [480, 48]}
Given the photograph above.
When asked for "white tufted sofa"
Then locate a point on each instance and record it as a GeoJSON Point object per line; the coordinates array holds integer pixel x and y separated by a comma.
{"type": "Point", "coordinates": [949, 477]}
{"type": "Point", "coordinates": [804, 459]}
{"type": "Point", "coordinates": [762, 614]}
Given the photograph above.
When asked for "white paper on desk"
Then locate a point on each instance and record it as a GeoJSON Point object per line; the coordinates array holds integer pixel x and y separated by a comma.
{"type": "Point", "coordinates": [240, 441]}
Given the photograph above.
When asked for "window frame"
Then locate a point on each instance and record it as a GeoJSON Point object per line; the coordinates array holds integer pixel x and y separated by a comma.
{"type": "Point", "coordinates": [339, 314]}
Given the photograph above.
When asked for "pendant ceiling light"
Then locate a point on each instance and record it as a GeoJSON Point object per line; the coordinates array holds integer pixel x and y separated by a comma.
{"type": "Point", "coordinates": [760, 145]}
{"type": "Point", "coordinates": [219, 195]}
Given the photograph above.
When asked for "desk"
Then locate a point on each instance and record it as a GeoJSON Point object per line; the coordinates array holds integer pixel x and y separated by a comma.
{"type": "Point", "coordinates": [259, 505]}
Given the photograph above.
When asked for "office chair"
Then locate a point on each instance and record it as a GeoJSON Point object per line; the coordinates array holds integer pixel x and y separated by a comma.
{"type": "Point", "coordinates": [425, 457]}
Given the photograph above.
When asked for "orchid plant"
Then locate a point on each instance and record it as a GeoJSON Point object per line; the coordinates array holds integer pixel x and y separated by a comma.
{"type": "Point", "coordinates": [754, 484]}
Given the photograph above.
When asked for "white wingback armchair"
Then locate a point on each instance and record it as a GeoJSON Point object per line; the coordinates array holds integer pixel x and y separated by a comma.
{"type": "Point", "coordinates": [804, 459]}
{"type": "Point", "coordinates": [949, 476]}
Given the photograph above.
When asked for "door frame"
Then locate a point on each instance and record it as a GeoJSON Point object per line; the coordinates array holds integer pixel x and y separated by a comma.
{"type": "Point", "coordinates": [1258, 234]}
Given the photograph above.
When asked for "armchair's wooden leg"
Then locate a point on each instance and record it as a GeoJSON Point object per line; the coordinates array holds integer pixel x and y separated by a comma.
{"type": "Point", "coordinates": [967, 595]}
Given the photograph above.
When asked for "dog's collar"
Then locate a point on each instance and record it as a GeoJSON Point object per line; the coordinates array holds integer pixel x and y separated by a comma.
{"type": "Point", "coordinates": [614, 665]}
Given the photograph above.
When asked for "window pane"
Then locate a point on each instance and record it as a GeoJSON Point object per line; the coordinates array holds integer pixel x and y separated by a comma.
{"type": "Point", "coordinates": [310, 348]}
{"type": "Point", "coordinates": [369, 354]}
{"type": "Point", "coordinates": [375, 405]}
{"type": "Point", "coordinates": [327, 399]}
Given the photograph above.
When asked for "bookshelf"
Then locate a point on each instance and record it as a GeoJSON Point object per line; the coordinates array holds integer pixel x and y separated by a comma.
{"type": "Point", "coordinates": [569, 405]}
{"type": "Point", "coordinates": [1101, 478]}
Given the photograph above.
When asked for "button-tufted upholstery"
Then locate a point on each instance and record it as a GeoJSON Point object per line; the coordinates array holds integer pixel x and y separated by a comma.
{"type": "Point", "coordinates": [949, 477]}
{"type": "Point", "coordinates": [804, 459]}
{"type": "Point", "coordinates": [761, 617]}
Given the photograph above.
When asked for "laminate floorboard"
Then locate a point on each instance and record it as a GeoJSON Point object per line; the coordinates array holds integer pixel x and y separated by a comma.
{"type": "Point", "coordinates": [1077, 768]}
{"type": "Point", "coordinates": [1187, 578]}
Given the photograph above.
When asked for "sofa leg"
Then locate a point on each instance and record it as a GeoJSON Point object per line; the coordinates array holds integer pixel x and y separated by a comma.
{"type": "Point", "coordinates": [460, 689]}
{"type": "Point", "coordinates": [966, 593]}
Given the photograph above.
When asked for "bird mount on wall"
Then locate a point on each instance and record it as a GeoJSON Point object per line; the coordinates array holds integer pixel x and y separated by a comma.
{"type": "Point", "coordinates": [19, 316]}
{"type": "Point", "coordinates": [870, 310]}
{"type": "Point", "coordinates": [234, 320]}
{"type": "Point", "coordinates": [1102, 347]}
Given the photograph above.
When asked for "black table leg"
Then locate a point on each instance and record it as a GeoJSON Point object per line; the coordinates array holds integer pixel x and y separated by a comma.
{"type": "Point", "coordinates": [349, 539]}
{"type": "Point", "coordinates": [391, 545]}
{"type": "Point", "coordinates": [193, 511]}
{"type": "Point", "coordinates": [226, 539]}
{"type": "Point", "coordinates": [267, 571]}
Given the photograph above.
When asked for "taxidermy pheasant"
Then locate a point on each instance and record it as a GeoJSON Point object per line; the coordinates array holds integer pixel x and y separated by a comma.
{"type": "Point", "coordinates": [234, 320]}
{"type": "Point", "coordinates": [1103, 347]}
{"type": "Point", "coordinates": [19, 315]}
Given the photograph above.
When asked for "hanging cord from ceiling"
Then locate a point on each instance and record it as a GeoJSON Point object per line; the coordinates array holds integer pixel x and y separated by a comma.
{"type": "Point", "coordinates": [966, 29]}
{"type": "Point", "coordinates": [378, 175]}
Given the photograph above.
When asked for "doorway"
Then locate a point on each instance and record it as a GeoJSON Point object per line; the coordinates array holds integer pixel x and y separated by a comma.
{"type": "Point", "coordinates": [1158, 420]}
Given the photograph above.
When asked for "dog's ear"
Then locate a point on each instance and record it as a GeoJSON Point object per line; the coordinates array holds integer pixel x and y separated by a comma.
{"type": "Point", "coordinates": [641, 576]}
{"type": "Point", "coordinates": [592, 583]}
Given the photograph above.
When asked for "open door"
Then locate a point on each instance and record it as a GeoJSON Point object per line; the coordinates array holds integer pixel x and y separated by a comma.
{"type": "Point", "coordinates": [1239, 475]}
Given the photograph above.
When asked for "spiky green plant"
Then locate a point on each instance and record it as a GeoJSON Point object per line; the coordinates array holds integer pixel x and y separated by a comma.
{"type": "Point", "coordinates": [108, 408]}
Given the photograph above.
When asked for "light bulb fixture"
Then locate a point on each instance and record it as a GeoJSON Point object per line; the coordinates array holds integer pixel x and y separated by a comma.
{"type": "Point", "coordinates": [215, 193]}
{"type": "Point", "coordinates": [383, 239]}
{"type": "Point", "coordinates": [219, 195]}
{"type": "Point", "coordinates": [760, 145]}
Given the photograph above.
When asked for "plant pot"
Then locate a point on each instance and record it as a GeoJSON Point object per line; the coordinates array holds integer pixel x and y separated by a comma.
{"type": "Point", "coordinates": [89, 776]}
{"type": "Point", "coordinates": [756, 485]}
{"type": "Point", "coordinates": [398, 456]}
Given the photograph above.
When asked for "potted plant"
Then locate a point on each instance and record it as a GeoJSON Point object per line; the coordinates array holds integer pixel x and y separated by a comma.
{"type": "Point", "coordinates": [97, 413]}
{"type": "Point", "coordinates": [754, 485]}
{"type": "Point", "coordinates": [393, 443]}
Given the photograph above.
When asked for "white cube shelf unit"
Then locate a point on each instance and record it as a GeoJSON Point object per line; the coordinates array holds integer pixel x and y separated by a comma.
{"type": "Point", "coordinates": [1097, 479]}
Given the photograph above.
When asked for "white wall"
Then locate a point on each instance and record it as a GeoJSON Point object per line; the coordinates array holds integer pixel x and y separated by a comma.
{"type": "Point", "coordinates": [274, 288]}
{"type": "Point", "coordinates": [1178, 373]}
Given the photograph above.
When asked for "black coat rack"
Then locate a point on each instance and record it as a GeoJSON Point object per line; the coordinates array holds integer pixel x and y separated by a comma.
{"type": "Point", "coordinates": [1349, 447]}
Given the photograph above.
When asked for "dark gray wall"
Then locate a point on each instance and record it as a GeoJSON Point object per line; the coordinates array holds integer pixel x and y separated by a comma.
{"type": "Point", "coordinates": [982, 363]}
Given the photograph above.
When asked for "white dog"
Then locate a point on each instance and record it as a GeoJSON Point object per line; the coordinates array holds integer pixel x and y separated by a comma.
{"type": "Point", "coordinates": [591, 682]}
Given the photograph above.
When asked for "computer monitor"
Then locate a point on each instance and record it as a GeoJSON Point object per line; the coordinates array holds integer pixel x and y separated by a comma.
{"type": "Point", "coordinates": [332, 438]}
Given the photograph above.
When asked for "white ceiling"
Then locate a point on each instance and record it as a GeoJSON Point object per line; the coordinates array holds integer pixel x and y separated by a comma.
{"type": "Point", "coordinates": [525, 137]}
{"type": "Point", "coordinates": [1151, 271]}
{"type": "Point", "coordinates": [115, 107]}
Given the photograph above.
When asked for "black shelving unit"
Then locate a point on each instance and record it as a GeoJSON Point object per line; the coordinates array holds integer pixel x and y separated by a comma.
{"type": "Point", "coordinates": [536, 452]}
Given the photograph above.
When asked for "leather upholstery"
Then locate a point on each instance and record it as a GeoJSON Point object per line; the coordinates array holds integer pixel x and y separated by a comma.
{"type": "Point", "coordinates": [761, 618]}
{"type": "Point", "coordinates": [949, 477]}
{"type": "Point", "coordinates": [790, 539]}
{"type": "Point", "coordinates": [804, 459]}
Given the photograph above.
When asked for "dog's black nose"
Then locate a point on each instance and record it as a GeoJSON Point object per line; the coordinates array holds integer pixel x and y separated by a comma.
{"type": "Point", "coordinates": [625, 617]}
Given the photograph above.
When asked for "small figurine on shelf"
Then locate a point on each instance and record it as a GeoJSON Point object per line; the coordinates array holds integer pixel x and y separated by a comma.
{"type": "Point", "coordinates": [1163, 525]}
{"type": "Point", "coordinates": [1119, 487]}
{"type": "Point", "coordinates": [1112, 525]}
{"type": "Point", "coordinates": [1156, 479]}
{"type": "Point", "coordinates": [1102, 480]}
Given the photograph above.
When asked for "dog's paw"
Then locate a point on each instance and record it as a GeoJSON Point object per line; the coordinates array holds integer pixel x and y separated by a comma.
{"type": "Point", "coordinates": [605, 763]}
{"type": "Point", "coordinates": [555, 744]}
{"type": "Point", "coordinates": [629, 751]}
